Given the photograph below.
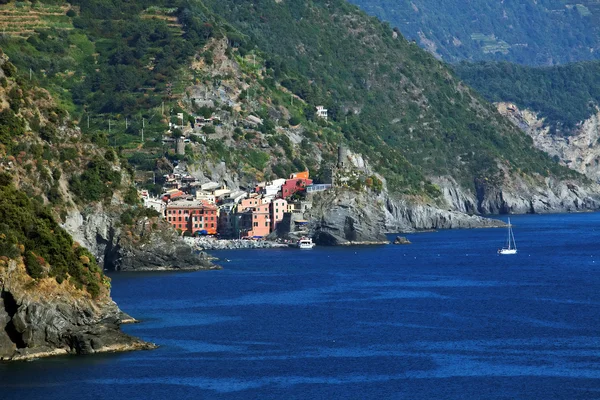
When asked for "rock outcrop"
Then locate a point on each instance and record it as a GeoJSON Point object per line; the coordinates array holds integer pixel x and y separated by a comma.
{"type": "Point", "coordinates": [40, 318]}
{"type": "Point", "coordinates": [141, 247]}
{"type": "Point", "coordinates": [519, 195]}
{"type": "Point", "coordinates": [577, 150]}
{"type": "Point", "coordinates": [401, 240]}
{"type": "Point", "coordinates": [344, 217]}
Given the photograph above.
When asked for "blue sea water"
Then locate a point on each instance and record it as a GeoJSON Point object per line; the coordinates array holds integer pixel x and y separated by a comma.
{"type": "Point", "coordinates": [443, 318]}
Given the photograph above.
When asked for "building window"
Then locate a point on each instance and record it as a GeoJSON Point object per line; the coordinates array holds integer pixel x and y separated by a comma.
{"type": "Point", "coordinates": [179, 219]}
{"type": "Point", "coordinates": [212, 225]}
{"type": "Point", "coordinates": [186, 218]}
{"type": "Point", "coordinates": [256, 224]}
{"type": "Point", "coordinates": [186, 212]}
{"type": "Point", "coordinates": [266, 224]}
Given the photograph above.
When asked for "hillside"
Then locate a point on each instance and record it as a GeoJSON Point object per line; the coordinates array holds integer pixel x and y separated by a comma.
{"type": "Point", "coordinates": [387, 99]}
{"type": "Point", "coordinates": [386, 88]}
{"type": "Point", "coordinates": [564, 96]}
{"type": "Point", "coordinates": [543, 32]}
{"type": "Point", "coordinates": [54, 296]}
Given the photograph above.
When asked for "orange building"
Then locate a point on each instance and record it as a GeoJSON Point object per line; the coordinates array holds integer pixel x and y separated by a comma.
{"type": "Point", "coordinates": [300, 175]}
{"type": "Point", "coordinates": [195, 217]}
{"type": "Point", "coordinates": [249, 203]}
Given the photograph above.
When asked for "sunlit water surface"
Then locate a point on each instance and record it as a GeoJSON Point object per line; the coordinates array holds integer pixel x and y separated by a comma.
{"type": "Point", "coordinates": [443, 318]}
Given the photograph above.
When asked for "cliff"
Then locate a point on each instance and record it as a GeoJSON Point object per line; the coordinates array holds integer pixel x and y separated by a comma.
{"type": "Point", "coordinates": [40, 318]}
{"type": "Point", "coordinates": [577, 150]}
{"type": "Point", "coordinates": [144, 245]}
{"type": "Point", "coordinates": [346, 217]}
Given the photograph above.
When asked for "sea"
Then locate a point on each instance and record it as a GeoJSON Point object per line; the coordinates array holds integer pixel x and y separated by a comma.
{"type": "Point", "coordinates": [445, 317]}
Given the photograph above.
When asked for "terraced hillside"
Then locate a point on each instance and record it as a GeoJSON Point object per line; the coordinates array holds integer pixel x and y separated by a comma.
{"type": "Point", "coordinates": [23, 18]}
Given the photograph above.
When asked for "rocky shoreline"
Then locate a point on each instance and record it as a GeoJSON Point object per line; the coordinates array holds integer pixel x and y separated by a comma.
{"type": "Point", "coordinates": [208, 243]}
{"type": "Point", "coordinates": [43, 318]}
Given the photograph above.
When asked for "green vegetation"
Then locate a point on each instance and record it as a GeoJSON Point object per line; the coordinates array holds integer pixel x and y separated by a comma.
{"type": "Point", "coordinates": [541, 32]}
{"type": "Point", "coordinates": [563, 95]}
{"type": "Point", "coordinates": [387, 99]}
{"type": "Point", "coordinates": [97, 182]}
{"type": "Point", "coordinates": [28, 229]}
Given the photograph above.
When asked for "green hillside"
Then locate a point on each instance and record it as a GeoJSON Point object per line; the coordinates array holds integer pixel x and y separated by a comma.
{"type": "Point", "coordinates": [123, 64]}
{"type": "Point", "coordinates": [543, 32]}
{"type": "Point", "coordinates": [564, 95]}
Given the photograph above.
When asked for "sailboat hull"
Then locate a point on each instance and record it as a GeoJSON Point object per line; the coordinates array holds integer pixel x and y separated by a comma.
{"type": "Point", "coordinates": [507, 251]}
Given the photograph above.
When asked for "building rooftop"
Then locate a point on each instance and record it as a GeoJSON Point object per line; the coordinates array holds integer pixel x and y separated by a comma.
{"type": "Point", "coordinates": [191, 204]}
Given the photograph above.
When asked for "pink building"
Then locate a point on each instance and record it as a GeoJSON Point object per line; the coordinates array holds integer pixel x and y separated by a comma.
{"type": "Point", "coordinates": [278, 208]}
{"type": "Point", "coordinates": [256, 221]}
{"type": "Point", "coordinates": [249, 203]}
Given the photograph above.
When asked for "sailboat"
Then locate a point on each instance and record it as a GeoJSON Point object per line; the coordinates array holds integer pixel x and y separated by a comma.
{"type": "Point", "coordinates": [511, 246]}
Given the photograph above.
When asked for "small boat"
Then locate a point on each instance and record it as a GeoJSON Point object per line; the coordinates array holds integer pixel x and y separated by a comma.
{"type": "Point", "coordinates": [303, 243]}
{"type": "Point", "coordinates": [511, 246]}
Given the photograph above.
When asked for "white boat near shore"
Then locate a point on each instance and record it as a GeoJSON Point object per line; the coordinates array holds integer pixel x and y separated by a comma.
{"type": "Point", "coordinates": [303, 243]}
{"type": "Point", "coordinates": [511, 246]}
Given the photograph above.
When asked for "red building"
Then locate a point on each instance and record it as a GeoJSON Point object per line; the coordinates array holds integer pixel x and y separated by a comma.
{"type": "Point", "coordinates": [193, 216]}
{"type": "Point", "coordinates": [292, 186]}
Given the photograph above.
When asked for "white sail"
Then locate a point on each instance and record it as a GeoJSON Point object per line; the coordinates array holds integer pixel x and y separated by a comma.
{"type": "Point", "coordinates": [511, 245]}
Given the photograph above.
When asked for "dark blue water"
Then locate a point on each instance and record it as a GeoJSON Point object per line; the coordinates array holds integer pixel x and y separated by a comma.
{"type": "Point", "coordinates": [443, 318]}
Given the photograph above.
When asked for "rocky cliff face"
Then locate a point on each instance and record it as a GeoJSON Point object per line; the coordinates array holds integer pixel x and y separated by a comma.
{"type": "Point", "coordinates": [40, 318]}
{"type": "Point", "coordinates": [520, 195]}
{"type": "Point", "coordinates": [579, 150]}
{"type": "Point", "coordinates": [141, 247]}
{"type": "Point", "coordinates": [344, 217]}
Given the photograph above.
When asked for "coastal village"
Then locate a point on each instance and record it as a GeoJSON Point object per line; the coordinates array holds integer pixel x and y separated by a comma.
{"type": "Point", "coordinates": [210, 208]}
{"type": "Point", "coordinates": [269, 209]}
{"type": "Point", "coordinates": [200, 209]}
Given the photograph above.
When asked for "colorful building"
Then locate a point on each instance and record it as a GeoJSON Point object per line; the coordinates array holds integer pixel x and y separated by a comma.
{"type": "Point", "coordinates": [300, 175]}
{"type": "Point", "coordinates": [256, 223]}
{"type": "Point", "coordinates": [278, 209]}
{"type": "Point", "coordinates": [195, 217]}
{"type": "Point", "coordinates": [292, 186]}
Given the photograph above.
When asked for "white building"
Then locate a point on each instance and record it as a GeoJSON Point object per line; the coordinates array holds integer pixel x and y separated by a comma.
{"type": "Point", "coordinates": [322, 112]}
{"type": "Point", "coordinates": [155, 203]}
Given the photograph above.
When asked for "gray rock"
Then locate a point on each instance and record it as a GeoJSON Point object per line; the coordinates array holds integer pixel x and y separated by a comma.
{"type": "Point", "coordinates": [161, 249]}
{"type": "Point", "coordinates": [60, 321]}
{"type": "Point", "coordinates": [343, 217]}
{"type": "Point", "coordinates": [401, 240]}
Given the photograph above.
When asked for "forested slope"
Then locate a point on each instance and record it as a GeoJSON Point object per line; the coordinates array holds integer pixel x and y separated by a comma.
{"type": "Point", "coordinates": [124, 66]}
{"type": "Point", "coordinates": [543, 32]}
{"type": "Point", "coordinates": [564, 95]}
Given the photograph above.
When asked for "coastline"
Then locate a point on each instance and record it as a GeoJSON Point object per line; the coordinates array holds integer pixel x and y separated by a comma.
{"type": "Point", "coordinates": [205, 243]}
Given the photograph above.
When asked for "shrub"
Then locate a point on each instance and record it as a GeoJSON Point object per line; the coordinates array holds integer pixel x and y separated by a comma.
{"type": "Point", "coordinates": [34, 269]}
